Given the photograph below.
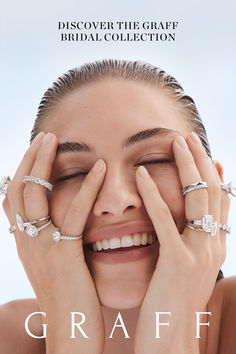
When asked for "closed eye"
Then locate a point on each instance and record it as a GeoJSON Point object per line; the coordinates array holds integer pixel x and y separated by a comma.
{"type": "Point", "coordinates": [73, 175]}
{"type": "Point", "coordinates": [150, 162]}
{"type": "Point", "coordinates": [83, 174]}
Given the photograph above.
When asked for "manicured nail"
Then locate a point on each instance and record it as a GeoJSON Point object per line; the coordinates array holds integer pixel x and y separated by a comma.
{"type": "Point", "coordinates": [48, 137]}
{"type": "Point", "coordinates": [38, 138]}
{"type": "Point", "coordinates": [142, 171]}
{"type": "Point", "coordinates": [195, 138]}
{"type": "Point", "coordinates": [99, 166]}
{"type": "Point", "coordinates": [182, 142]}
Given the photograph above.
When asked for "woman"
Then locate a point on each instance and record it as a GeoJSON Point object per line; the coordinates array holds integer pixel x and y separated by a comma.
{"type": "Point", "coordinates": [125, 150]}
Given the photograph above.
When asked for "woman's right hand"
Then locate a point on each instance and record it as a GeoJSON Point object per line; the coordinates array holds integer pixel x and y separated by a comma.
{"type": "Point", "coordinates": [57, 271]}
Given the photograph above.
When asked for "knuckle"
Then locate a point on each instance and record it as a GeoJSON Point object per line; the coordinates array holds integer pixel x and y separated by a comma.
{"type": "Point", "coordinates": [202, 195]}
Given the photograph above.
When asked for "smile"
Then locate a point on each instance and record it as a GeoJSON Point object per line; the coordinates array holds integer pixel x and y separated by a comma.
{"type": "Point", "coordinates": [119, 243]}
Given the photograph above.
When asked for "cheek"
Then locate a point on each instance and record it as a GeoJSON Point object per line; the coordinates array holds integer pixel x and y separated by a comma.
{"type": "Point", "coordinates": [59, 202]}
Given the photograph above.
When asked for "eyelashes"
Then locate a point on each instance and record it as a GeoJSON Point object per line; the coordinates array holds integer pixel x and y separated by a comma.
{"type": "Point", "coordinates": [83, 174]}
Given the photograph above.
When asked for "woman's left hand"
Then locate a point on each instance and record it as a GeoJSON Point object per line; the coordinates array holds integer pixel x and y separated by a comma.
{"type": "Point", "coordinates": [188, 264]}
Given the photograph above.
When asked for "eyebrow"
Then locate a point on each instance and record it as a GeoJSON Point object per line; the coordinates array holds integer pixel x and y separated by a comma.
{"type": "Point", "coordinates": [134, 139]}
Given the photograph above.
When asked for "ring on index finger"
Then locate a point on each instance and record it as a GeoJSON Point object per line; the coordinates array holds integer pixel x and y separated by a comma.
{"type": "Point", "coordinates": [193, 187]}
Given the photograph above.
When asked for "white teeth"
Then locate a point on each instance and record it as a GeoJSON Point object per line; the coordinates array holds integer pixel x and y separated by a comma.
{"type": "Point", "coordinates": [144, 239]}
{"type": "Point", "coordinates": [137, 240]}
{"type": "Point", "coordinates": [99, 245]}
{"type": "Point", "coordinates": [127, 241]}
{"type": "Point", "coordinates": [115, 243]}
{"type": "Point", "coordinates": [105, 244]}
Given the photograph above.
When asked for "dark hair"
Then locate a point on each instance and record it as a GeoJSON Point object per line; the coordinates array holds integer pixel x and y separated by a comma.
{"type": "Point", "coordinates": [125, 70]}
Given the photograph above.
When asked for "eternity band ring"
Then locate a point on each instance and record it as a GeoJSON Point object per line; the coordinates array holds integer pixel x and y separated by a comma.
{"type": "Point", "coordinates": [207, 224]}
{"type": "Point", "coordinates": [193, 187]}
{"type": "Point", "coordinates": [229, 188]}
{"type": "Point", "coordinates": [39, 181]}
{"type": "Point", "coordinates": [58, 236]}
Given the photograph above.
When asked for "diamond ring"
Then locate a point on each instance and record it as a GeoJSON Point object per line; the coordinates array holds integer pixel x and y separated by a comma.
{"type": "Point", "coordinates": [4, 182]}
{"type": "Point", "coordinates": [193, 187]}
{"type": "Point", "coordinates": [58, 236]}
{"type": "Point", "coordinates": [29, 226]}
{"type": "Point", "coordinates": [39, 181]}
{"type": "Point", "coordinates": [229, 188]}
{"type": "Point", "coordinates": [207, 224]}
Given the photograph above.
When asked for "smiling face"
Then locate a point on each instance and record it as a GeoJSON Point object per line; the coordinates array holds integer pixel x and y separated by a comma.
{"type": "Point", "coordinates": [127, 124]}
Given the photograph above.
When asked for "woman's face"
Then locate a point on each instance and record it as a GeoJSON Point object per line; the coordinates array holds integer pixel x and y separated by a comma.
{"type": "Point", "coordinates": [106, 119]}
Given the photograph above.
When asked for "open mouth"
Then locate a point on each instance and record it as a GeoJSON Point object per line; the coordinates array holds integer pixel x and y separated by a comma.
{"type": "Point", "coordinates": [124, 243]}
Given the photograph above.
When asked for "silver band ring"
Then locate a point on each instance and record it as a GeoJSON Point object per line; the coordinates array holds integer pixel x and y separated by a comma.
{"type": "Point", "coordinates": [39, 181]}
{"type": "Point", "coordinates": [225, 227]}
{"type": "Point", "coordinates": [193, 187]}
{"type": "Point", "coordinates": [229, 188]}
{"type": "Point", "coordinates": [207, 224]}
{"type": "Point", "coordinates": [22, 224]}
{"type": "Point", "coordinates": [58, 236]}
{"type": "Point", "coordinates": [4, 182]}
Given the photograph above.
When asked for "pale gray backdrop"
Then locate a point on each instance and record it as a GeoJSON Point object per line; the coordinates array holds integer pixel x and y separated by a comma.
{"type": "Point", "coordinates": [32, 57]}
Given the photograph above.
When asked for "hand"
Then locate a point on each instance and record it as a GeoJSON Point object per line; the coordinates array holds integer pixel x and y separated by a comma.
{"type": "Point", "coordinates": [188, 264]}
{"type": "Point", "coordinates": [57, 271]}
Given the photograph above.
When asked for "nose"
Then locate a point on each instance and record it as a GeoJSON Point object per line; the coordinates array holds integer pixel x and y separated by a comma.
{"type": "Point", "coordinates": [118, 194]}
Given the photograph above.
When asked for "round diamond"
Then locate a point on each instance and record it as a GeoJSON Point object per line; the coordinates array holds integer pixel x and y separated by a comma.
{"type": "Point", "coordinates": [32, 230]}
{"type": "Point", "coordinates": [20, 222]}
{"type": "Point", "coordinates": [56, 236]}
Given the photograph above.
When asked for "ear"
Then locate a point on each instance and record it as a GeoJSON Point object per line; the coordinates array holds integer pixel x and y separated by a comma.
{"type": "Point", "coordinates": [219, 169]}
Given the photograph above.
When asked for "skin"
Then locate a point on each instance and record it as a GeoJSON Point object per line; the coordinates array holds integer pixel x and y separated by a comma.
{"type": "Point", "coordinates": [121, 192]}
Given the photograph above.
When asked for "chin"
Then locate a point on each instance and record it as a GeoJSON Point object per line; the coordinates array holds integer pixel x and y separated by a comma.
{"type": "Point", "coordinates": [123, 285]}
{"type": "Point", "coordinates": [123, 301]}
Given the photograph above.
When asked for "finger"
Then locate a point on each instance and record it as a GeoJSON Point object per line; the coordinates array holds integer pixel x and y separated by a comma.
{"type": "Point", "coordinates": [208, 174]}
{"type": "Point", "coordinates": [82, 203]}
{"type": "Point", "coordinates": [196, 202]}
{"type": "Point", "coordinates": [157, 209]}
{"type": "Point", "coordinates": [16, 187]}
{"type": "Point", "coordinates": [35, 196]}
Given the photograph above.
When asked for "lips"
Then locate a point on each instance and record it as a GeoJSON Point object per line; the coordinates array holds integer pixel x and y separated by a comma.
{"type": "Point", "coordinates": [121, 243]}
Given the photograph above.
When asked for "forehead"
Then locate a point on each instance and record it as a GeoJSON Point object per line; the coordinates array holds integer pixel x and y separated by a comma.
{"type": "Point", "coordinates": [114, 108]}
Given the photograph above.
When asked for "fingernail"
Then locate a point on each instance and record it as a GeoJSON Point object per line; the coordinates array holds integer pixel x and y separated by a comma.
{"type": "Point", "coordinates": [99, 166]}
{"type": "Point", "coordinates": [142, 171]}
{"type": "Point", "coordinates": [182, 142]}
{"type": "Point", "coordinates": [38, 138]}
{"type": "Point", "coordinates": [48, 137]}
{"type": "Point", "coordinates": [195, 138]}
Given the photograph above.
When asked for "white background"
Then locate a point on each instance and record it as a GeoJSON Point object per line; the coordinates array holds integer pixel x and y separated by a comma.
{"type": "Point", "coordinates": [32, 57]}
